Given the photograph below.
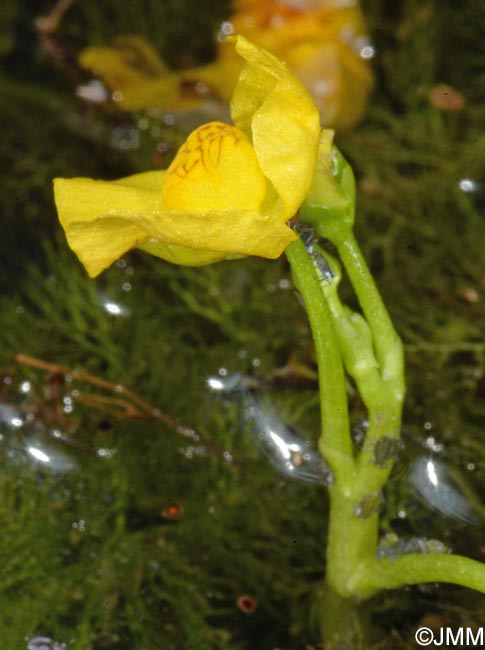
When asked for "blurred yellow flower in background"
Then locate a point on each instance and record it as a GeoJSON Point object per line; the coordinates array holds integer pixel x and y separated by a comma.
{"type": "Point", "coordinates": [229, 191]}
{"type": "Point", "coordinates": [324, 42]}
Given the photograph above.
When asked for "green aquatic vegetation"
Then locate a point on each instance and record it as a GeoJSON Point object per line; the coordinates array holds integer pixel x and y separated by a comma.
{"type": "Point", "coordinates": [102, 220]}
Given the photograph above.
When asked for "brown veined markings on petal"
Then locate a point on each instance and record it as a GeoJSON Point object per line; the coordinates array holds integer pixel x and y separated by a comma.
{"type": "Point", "coordinates": [204, 146]}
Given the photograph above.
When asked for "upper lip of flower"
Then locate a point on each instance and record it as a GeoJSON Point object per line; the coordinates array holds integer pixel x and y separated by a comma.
{"type": "Point", "coordinates": [277, 133]}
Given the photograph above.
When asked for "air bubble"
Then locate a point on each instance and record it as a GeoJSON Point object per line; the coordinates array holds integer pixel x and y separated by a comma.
{"type": "Point", "coordinates": [285, 450]}
{"type": "Point", "coordinates": [44, 643]}
{"type": "Point", "coordinates": [106, 453]}
{"type": "Point", "coordinates": [433, 481]}
{"type": "Point", "coordinates": [468, 185]}
{"type": "Point", "coordinates": [367, 52]}
{"type": "Point", "coordinates": [226, 29]}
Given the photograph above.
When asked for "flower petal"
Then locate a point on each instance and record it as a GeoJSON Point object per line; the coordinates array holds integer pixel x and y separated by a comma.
{"type": "Point", "coordinates": [181, 254]}
{"type": "Point", "coordinates": [133, 69]}
{"type": "Point", "coordinates": [274, 108]}
{"type": "Point", "coordinates": [104, 219]}
{"type": "Point", "coordinates": [230, 231]}
{"type": "Point", "coordinates": [100, 243]}
{"type": "Point", "coordinates": [96, 215]}
{"type": "Point", "coordinates": [216, 168]}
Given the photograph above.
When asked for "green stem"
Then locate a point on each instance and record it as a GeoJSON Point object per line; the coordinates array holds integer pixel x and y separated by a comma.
{"type": "Point", "coordinates": [355, 339]}
{"type": "Point", "coordinates": [388, 346]}
{"type": "Point", "coordinates": [335, 443]}
{"type": "Point", "coordinates": [390, 573]}
{"type": "Point", "coordinates": [352, 542]}
{"type": "Point", "coordinates": [372, 473]}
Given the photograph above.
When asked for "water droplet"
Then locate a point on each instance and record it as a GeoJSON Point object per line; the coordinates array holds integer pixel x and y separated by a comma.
{"type": "Point", "coordinates": [392, 546]}
{"type": "Point", "coordinates": [114, 308]}
{"type": "Point", "coordinates": [38, 454]}
{"type": "Point", "coordinates": [468, 185]}
{"type": "Point", "coordinates": [25, 386]}
{"type": "Point", "coordinates": [49, 457]}
{"type": "Point", "coordinates": [106, 453]}
{"type": "Point", "coordinates": [433, 480]}
{"type": "Point", "coordinates": [201, 89]}
{"type": "Point", "coordinates": [226, 383]}
{"type": "Point", "coordinates": [226, 29]}
{"type": "Point", "coordinates": [79, 525]}
{"type": "Point", "coordinates": [94, 91]}
{"type": "Point", "coordinates": [44, 643]}
{"type": "Point", "coordinates": [367, 52]}
{"type": "Point", "coordinates": [125, 138]}
{"type": "Point", "coordinates": [434, 446]}
{"type": "Point", "coordinates": [285, 450]}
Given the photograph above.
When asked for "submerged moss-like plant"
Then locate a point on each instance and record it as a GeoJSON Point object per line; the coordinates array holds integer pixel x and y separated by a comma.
{"type": "Point", "coordinates": [231, 191]}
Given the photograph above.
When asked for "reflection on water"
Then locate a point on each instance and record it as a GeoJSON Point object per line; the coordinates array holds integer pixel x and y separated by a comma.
{"type": "Point", "coordinates": [286, 451]}
{"type": "Point", "coordinates": [444, 490]}
{"type": "Point", "coordinates": [24, 438]}
{"type": "Point", "coordinates": [44, 643]}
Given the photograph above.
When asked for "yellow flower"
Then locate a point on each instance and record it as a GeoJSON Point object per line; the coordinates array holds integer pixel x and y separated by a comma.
{"type": "Point", "coordinates": [320, 40]}
{"type": "Point", "coordinates": [229, 191]}
{"type": "Point", "coordinates": [133, 70]}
